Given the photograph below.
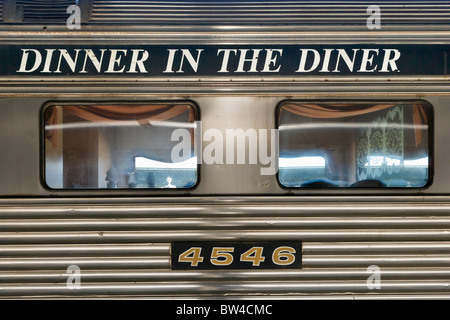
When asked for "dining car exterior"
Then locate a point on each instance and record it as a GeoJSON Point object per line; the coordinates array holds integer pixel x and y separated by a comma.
{"type": "Point", "coordinates": [225, 149]}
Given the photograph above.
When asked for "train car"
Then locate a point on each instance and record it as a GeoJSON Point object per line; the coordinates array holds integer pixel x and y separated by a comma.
{"type": "Point", "coordinates": [224, 149]}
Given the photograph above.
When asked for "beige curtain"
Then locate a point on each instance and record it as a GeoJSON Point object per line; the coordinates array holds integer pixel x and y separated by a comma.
{"type": "Point", "coordinates": [332, 111]}
{"type": "Point", "coordinates": [101, 113]}
{"type": "Point", "coordinates": [345, 110]}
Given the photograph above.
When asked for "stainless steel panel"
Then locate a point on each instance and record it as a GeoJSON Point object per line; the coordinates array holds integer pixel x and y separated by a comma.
{"type": "Point", "coordinates": [340, 241]}
{"type": "Point", "coordinates": [265, 12]}
{"type": "Point", "coordinates": [21, 129]}
{"type": "Point", "coordinates": [221, 288]}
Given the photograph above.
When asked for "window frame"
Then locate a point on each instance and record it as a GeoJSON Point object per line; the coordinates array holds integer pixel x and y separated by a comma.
{"type": "Point", "coordinates": [430, 141]}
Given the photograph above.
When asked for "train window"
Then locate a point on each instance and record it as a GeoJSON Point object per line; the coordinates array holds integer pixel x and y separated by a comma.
{"type": "Point", "coordinates": [354, 144]}
{"type": "Point", "coordinates": [123, 146]}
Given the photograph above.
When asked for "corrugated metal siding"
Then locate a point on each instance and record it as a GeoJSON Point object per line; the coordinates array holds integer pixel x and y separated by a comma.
{"type": "Point", "coordinates": [244, 12]}
{"type": "Point", "coordinates": [123, 248]}
{"type": "Point", "coordinates": [267, 12]}
{"type": "Point", "coordinates": [40, 11]}
{"type": "Point", "coordinates": [35, 11]}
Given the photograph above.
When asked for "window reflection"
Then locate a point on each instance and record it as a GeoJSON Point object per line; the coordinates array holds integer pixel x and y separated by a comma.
{"type": "Point", "coordinates": [117, 146]}
{"type": "Point", "coordinates": [157, 174]}
{"type": "Point", "coordinates": [359, 144]}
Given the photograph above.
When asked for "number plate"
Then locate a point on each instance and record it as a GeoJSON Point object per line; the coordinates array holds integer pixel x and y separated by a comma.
{"type": "Point", "coordinates": [236, 255]}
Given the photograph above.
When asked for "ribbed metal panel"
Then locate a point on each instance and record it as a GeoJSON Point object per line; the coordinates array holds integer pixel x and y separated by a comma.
{"type": "Point", "coordinates": [241, 12]}
{"type": "Point", "coordinates": [123, 249]}
{"type": "Point", "coordinates": [45, 10]}
{"type": "Point", "coordinates": [267, 12]}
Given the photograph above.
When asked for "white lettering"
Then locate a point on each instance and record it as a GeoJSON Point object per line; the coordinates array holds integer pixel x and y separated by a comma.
{"type": "Point", "coordinates": [226, 57]}
{"type": "Point", "coordinates": [193, 62]}
{"type": "Point", "coordinates": [23, 63]}
{"type": "Point", "coordinates": [350, 63]}
{"type": "Point", "coordinates": [115, 61]}
{"type": "Point", "coordinates": [97, 63]}
{"type": "Point", "coordinates": [193, 310]}
{"type": "Point", "coordinates": [72, 63]}
{"type": "Point", "coordinates": [303, 58]}
{"type": "Point", "coordinates": [179, 60]}
{"type": "Point", "coordinates": [270, 59]}
{"type": "Point", "coordinates": [390, 62]}
{"type": "Point", "coordinates": [170, 60]}
{"type": "Point", "coordinates": [326, 60]}
{"type": "Point", "coordinates": [48, 60]}
{"type": "Point", "coordinates": [253, 60]}
{"type": "Point", "coordinates": [367, 61]}
{"type": "Point", "coordinates": [245, 309]}
{"type": "Point", "coordinates": [138, 62]}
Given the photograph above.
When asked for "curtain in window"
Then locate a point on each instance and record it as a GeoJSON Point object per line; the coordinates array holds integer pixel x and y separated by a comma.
{"type": "Point", "coordinates": [334, 111]}
{"type": "Point", "coordinates": [143, 114]}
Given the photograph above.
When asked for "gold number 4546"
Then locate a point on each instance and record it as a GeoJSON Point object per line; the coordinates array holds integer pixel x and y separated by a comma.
{"type": "Point", "coordinates": [223, 256]}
